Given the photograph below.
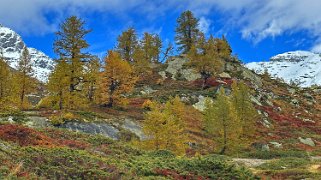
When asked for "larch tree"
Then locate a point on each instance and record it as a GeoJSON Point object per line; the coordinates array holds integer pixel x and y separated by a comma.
{"type": "Point", "coordinates": [91, 78]}
{"type": "Point", "coordinates": [23, 82]}
{"type": "Point", "coordinates": [126, 44]}
{"type": "Point", "coordinates": [187, 31]}
{"type": "Point", "coordinates": [69, 46]}
{"type": "Point", "coordinates": [224, 49]}
{"type": "Point", "coordinates": [222, 122]}
{"type": "Point", "coordinates": [245, 109]}
{"type": "Point", "coordinates": [151, 45]}
{"type": "Point", "coordinates": [117, 79]}
{"type": "Point", "coordinates": [58, 86]}
{"type": "Point", "coordinates": [205, 58]}
{"type": "Point", "coordinates": [5, 81]}
{"type": "Point", "coordinates": [165, 127]}
{"type": "Point", "coordinates": [142, 65]}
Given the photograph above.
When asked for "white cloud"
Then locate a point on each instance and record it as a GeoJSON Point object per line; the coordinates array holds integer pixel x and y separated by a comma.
{"type": "Point", "coordinates": [256, 19]}
{"type": "Point", "coordinates": [204, 24]}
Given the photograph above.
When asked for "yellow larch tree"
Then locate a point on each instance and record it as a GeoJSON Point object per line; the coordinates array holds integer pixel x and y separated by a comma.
{"type": "Point", "coordinates": [117, 79]}
{"type": "Point", "coordinates": [222, 122]}
{"type": "Point", "coordinates": [165, 127]}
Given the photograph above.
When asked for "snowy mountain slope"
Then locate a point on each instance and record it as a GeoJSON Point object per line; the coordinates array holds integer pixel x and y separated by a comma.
{"type": "Point", "coordinates": [301, 67]}
{"type": "Point", "coordinates": [11, 45]}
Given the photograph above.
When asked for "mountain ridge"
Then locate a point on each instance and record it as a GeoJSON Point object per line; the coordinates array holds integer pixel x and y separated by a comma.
{"type": "Point", "coordinates": [12, 44]}
{"type": "Point", "coordinates": [300, 67]}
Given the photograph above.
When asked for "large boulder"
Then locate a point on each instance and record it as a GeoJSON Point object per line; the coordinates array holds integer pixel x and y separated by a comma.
{"type": "Point", "coordinates": [201, 104]}
{"type": "Point", "coordinates": [177, 70]}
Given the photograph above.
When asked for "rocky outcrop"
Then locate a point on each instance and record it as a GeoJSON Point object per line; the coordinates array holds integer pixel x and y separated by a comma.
{"type": "Point", "coordinates": [177, 70]}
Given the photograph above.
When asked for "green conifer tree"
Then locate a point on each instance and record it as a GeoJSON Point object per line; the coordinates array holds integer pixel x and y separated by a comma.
{"type": "Point", "coordinates": [23, 82]}
{"type": "Point", "coordinates": [244, 108]}
{"type": "Point", "coordinates": [69, 46]}
{"type": "Point", "coordinates": [222, 122]}
{"type": "Point", "coordinates": [126, 44]}
{"type": "Point", "coordinates": [186, 31]}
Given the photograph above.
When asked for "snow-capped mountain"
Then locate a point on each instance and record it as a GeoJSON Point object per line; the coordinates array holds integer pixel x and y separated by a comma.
{"type": "Point", "coordinates": [11, 45]}
{"type": "Point", "coordinates": [300, 67]}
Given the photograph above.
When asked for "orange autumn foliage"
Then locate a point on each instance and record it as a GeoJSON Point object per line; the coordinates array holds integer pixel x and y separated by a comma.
{"type": "Point", "coordinates": [116, 80]}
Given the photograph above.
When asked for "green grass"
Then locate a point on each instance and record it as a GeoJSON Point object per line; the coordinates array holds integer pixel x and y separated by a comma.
{"type": "Point", "coordinates": [103, 158]}
{"type": "Point", "coordinates": [277, 154]}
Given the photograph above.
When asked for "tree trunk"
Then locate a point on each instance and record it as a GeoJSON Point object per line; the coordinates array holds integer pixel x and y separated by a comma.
{"type": "Point", "coordinates": [60, 100]}
{"type": "Point", "coordinates": [225, 140]}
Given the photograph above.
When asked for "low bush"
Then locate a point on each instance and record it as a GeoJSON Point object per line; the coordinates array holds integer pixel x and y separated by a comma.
{"type": "Point", "coordinates": [277, 154]}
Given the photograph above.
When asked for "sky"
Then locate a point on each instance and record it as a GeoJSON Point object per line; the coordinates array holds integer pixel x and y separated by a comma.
{"type": "Point", "coordinates": [256, 29]}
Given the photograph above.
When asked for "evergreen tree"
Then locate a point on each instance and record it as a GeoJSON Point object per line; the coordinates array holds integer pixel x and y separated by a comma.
{"type": "Point", "coordinates": [58, 86]}
{"type": "Point", "coordinates": [222, 122]}
{"type": "Point", "coordinates": [224, 49]}
{"type": "Point", "coordinates": [117, 79]}
{"type": "Point", "coordinates": [187, 31]}
{"type": "Point", "coordinates": [165, 126]}
{"type": "Point", "coordinates": [151, 45]}
{"type": "Point", "coordinates": [69, 45]}
{"type": "Point", "coordinates": [142, 65]}
{"type": "Point", "coordinates": [204, 57]}
{"type": "Point", "coordinates": [23, 81]}
{"type": "Point", "coordinates": [91, 78]}
{"type": "Point", "coordinates": [126, 44]}
{"type": "Point", "coordinates": [244, 108]}
{"type": "Point", "coordinates": [5, 81]}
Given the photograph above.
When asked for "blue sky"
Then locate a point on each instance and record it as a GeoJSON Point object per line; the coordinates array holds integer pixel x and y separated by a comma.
{"type": "Point", "coordinates": [256, 29]}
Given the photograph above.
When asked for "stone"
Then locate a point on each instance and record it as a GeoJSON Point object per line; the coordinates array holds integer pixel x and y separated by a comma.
{"type": "Point", "coordinates": [307, 141]}
{"type": "Point", "coordinates": [255, 79]}
{"type": "Point", "coordinates": [225, 75]}
{"type": "Point", "coordinates": [147, 90]}
{"type": "Point", "coordinates": [308, 120]}
{"type": "Point", "coordinates": [276, 145]}
{"type": "Point", "coordinates": [93, 128]}
{"type": "Point", "coordinates": [201, 104]}
{"type": "Point", "coordinates": [265, 147]}
{"type": "Point", "coordinates": [175, 67]}
{"type": "Point", "coordinates": [190, 74]}
{"type": "Point", "coordinates": [163, 74]}
{"type": "Point", "coordinates": [266, 123]}
{"type": "Point", "coordinates": [253, 99]}
{"type": "Point", "coordinates": [295, 102]}
{"type": "Point", "coordinates": [135, 128]}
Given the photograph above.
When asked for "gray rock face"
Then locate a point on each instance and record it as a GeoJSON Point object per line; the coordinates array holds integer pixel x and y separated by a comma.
{"type": "Point", "coordinates": [248, 74]}
{"type": "Point", "coordinates": [134, 128]}
{"type": "Point", "coordinates": [175, 67]}
{"type": "Point", "coordinates": [11, 45]}
{"type": "Point", "coordinates": [201, 104]}
{"type": "Point", "coordinates": [93, 128]}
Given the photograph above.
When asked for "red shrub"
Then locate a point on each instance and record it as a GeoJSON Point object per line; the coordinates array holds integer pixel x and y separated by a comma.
{"type": "Point", "coordinates": [25, 136]}
{"type": "Point", "coordinates": [73, 144]}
